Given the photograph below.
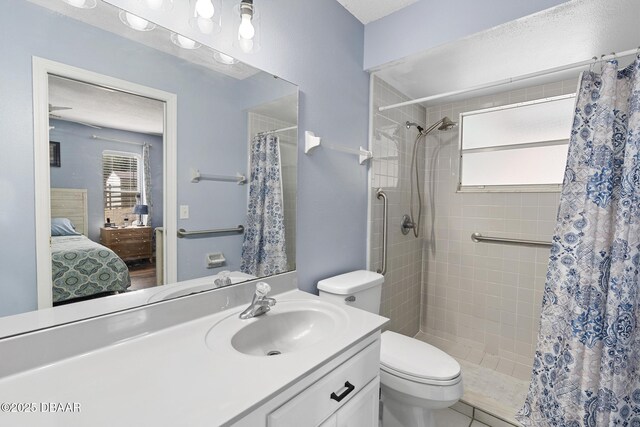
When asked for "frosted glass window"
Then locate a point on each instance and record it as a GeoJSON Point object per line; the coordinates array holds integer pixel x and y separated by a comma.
{"type": "Point", "coordinates": [523, 145]}
{"type": "Point", "coordinates": [536, 165]}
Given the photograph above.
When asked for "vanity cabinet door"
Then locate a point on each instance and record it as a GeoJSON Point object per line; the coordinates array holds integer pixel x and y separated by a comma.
{"type": "Point", "coordinates": [315, 405]}
{"type": "Point", "coordinates": [330, 422]}
{"type": "Point", "coordinates": [362, 410]}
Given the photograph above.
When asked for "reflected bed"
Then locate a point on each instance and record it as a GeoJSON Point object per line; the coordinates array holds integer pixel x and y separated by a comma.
{"type": "Point", "coordinates": [81, 268]}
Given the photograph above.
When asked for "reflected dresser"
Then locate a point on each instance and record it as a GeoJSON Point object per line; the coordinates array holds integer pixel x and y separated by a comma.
{"type": "Point", "coordinates": [130, 243]}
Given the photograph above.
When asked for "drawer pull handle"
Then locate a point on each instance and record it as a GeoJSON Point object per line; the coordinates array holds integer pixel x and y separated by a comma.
{"type": "Point", "coordinates": [350, 387]}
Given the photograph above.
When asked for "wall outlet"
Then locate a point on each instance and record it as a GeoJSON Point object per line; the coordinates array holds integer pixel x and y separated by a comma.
{"type": "Point", "coordinates": [184, 211]}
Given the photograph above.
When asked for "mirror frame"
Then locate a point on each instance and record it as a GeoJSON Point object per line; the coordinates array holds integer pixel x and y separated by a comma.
{"type": "Point", "coordinates": [42, 68]}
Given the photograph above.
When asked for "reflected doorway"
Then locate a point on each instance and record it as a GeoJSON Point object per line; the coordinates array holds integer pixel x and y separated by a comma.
{"type": "Point", "coordinates": [106, 186]}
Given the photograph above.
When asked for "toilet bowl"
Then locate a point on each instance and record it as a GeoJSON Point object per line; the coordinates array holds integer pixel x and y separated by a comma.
{"type": "Point", "coordinates": [415, 377]}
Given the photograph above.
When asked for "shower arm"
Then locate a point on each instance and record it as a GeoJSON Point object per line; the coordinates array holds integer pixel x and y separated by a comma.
{"type": "Point", "coordinates": [423, 132]}
{"type": "Point", "coordinates": [432, 127]}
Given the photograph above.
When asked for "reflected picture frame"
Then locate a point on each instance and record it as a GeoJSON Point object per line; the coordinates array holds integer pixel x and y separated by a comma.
{"type": "Point", "coordinates": [54, 154]}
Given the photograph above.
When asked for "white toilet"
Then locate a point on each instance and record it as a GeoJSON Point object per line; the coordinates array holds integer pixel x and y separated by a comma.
{"type": "Point", "coordinates": [416, 377]}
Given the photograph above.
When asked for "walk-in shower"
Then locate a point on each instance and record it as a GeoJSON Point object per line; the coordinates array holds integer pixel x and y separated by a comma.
{"type": "Point", "coordinates": [412, 221]}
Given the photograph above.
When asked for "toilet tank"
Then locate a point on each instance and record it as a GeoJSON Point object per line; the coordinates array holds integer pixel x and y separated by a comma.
{"type": "Point", "coordinates": [361, 289]}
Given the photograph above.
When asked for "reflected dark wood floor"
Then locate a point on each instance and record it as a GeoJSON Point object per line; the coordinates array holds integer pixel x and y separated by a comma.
{"type": "Point", "coordinates": [143, 275]}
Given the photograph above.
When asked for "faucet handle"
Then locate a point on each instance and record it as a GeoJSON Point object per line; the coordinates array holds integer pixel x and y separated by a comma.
{"type": "Point", "coordinates": [262, 289]}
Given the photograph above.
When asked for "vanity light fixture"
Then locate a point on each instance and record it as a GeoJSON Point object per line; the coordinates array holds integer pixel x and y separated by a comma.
{"type": "Point", "coordinates": [82, 4]}
{"type": "Point", "coordinates": [224, 59]}
{"type": "Point", "coordinates": [205, 15]}
{"type": "Point", "coordinates": [247, 29]}
{"type": "Point", "coordinates": [184, 42]}
{"type": "Point", "coordinates": [135, 22]}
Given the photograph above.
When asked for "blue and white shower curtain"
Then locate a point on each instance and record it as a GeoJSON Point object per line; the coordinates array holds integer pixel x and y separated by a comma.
{"type": "Point", "coordinates": [264, 250]}
{"type": "Point", "coordinates": [587, 361]}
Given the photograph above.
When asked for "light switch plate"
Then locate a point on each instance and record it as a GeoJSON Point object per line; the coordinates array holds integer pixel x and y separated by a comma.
{"type": "Point", "coordinates": [184, 211]}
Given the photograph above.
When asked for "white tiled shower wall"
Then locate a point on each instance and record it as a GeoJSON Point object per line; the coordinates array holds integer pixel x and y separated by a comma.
{"type": "Point", "coordinates": [480, 302]}
{"type": "Point", "coordinates": [289, 161]}
{"type": "Point", "coordinates": [391, 146]}
{"type": "Point", "coordinates": [484, 297]}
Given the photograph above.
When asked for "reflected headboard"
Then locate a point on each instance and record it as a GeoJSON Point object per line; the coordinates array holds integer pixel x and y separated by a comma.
{"type": "Point", "coordinates": [71, 203]}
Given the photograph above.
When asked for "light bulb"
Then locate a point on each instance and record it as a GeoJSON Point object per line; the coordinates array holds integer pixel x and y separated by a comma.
{"type": "Point", "coordinates": [246, 45]}
{"type": "Point", "coordinates": [205, 9]}
{"type": "Point", "coordinates": [82, 4]}
{"type": "Point", "coordinates": [77, 3]}
{"type": "Point", "coordinates": [246, 30]}
{"type": "Point", "coordinates": [224, 59]}
{"type": "Point", "coordinates": [186, 42]}
{"type": "Point", "coordinates": [204, 25]}
{"type": "Point", "coordinates": [136, 22]}
{"type": "Point", "coordinates": [154, 4]}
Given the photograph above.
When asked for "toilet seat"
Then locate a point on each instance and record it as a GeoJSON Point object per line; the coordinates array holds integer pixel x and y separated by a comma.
{"type": "Point", "coordinates": [417, 361]}
{"type": "Point", "coordinates": [426, 381]}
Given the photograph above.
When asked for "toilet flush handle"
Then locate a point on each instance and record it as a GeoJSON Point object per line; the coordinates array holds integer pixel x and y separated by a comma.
{"type": "Point", "coordinates": [350, 298]}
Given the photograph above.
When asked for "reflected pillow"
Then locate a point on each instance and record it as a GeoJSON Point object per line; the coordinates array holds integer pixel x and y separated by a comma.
{"type": "Point", "coordinates": [63, 227]}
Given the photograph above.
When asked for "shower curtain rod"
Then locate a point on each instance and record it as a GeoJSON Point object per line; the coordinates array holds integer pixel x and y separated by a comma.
{"type": "Point", "coordinates": [512, 79]}
{"type": "Point", "coordinates": [278, 130]}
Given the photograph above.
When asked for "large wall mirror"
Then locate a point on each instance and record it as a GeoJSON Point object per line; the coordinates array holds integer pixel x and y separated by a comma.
{"type": "Point", "coordinates": [162, 167]}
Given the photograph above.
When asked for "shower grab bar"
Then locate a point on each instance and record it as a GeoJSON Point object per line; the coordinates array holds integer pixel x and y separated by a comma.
{"type": "Point", "coordinates": [382, 195]}
{"type": "Point", "coordinates": [479, 238]}
{"type": "Point", "coordinates": [184, 233]}
{"type": "Point", "coordinates": [196, 177]}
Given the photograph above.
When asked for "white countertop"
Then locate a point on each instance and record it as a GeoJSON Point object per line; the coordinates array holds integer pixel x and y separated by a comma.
{"type": "Point", "coordinates": [170, 377]}
{"type": "Point", "coordinates": [48, 317]}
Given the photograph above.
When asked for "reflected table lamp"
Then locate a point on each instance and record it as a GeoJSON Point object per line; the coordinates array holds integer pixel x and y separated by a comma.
{"type": "Point", "coordinates": [140, 210]}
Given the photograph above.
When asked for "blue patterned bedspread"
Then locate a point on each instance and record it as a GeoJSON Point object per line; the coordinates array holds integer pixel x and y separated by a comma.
{"type": "Point", "coordinates": [81, 267]}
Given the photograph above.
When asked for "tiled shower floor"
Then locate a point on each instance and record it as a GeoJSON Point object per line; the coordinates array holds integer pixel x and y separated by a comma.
{"type": "Point", "coordinates": [493, 392]}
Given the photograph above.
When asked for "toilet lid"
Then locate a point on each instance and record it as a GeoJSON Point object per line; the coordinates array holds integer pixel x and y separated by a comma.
{"type": "Point", "coordinates": [416, 358]}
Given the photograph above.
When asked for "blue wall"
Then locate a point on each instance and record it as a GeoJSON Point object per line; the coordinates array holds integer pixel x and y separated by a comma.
{"type": "Point", "coordinates": [318, 45]}
{"type": "Point", "coordinates": [427, 24]}
{"type": "Point", "coordinates": [210, 121]}
{"type": "Point", "coordinates": [81, 166]}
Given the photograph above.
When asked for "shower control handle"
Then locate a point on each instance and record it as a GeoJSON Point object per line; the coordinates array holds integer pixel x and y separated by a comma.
{"type": "Point", "coordinates": [406, 224]}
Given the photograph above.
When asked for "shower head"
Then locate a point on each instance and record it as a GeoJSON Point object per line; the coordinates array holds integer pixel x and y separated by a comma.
{"type": "Point", "coordinates": [443, 124]}
{"type": "Point", "coordinates": [446, 124]}
{"type": "Point", "coordinates": [409, 124]}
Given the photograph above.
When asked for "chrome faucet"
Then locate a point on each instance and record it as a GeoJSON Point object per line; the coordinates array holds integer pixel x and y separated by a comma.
{"type": "Point", "coordinates": [260, 303]}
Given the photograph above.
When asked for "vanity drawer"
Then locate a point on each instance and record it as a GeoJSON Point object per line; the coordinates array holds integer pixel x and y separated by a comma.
{"type": "Point", "coordinates": [315, 404]}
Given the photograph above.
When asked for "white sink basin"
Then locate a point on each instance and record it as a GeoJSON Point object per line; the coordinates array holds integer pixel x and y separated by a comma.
{"type": "Point", "coordinates": [291, 326]}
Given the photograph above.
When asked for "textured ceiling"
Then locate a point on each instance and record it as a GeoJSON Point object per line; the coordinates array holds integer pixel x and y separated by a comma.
{"type": "Point", "coordinates": [370, 10]}
{"type": "Point", "coordinates": [105, 107]}
{"type": "Point", "coordinates": [571, 32]}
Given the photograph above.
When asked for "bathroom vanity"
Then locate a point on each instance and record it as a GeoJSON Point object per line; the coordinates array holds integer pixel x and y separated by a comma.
{"type": "Point", "coordinates": [177, 354]}
{"type": "Point", "coordinates": [192, 361]}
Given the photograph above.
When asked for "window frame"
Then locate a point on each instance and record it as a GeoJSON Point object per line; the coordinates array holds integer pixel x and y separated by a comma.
{"type": "Point", "coordinates": [139, 174]}
{"type": "Point", "coordinates": [515, 188]}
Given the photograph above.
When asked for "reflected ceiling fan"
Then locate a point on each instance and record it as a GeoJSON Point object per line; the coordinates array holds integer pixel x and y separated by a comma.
{"type": "Point", "coordinates": [53, 108]}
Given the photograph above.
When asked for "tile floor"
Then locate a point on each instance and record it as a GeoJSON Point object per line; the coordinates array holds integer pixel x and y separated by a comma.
{"type": "Point", "coordinates": [451, 418]}
{"type": "Point", "coordinates": [496, 396]}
